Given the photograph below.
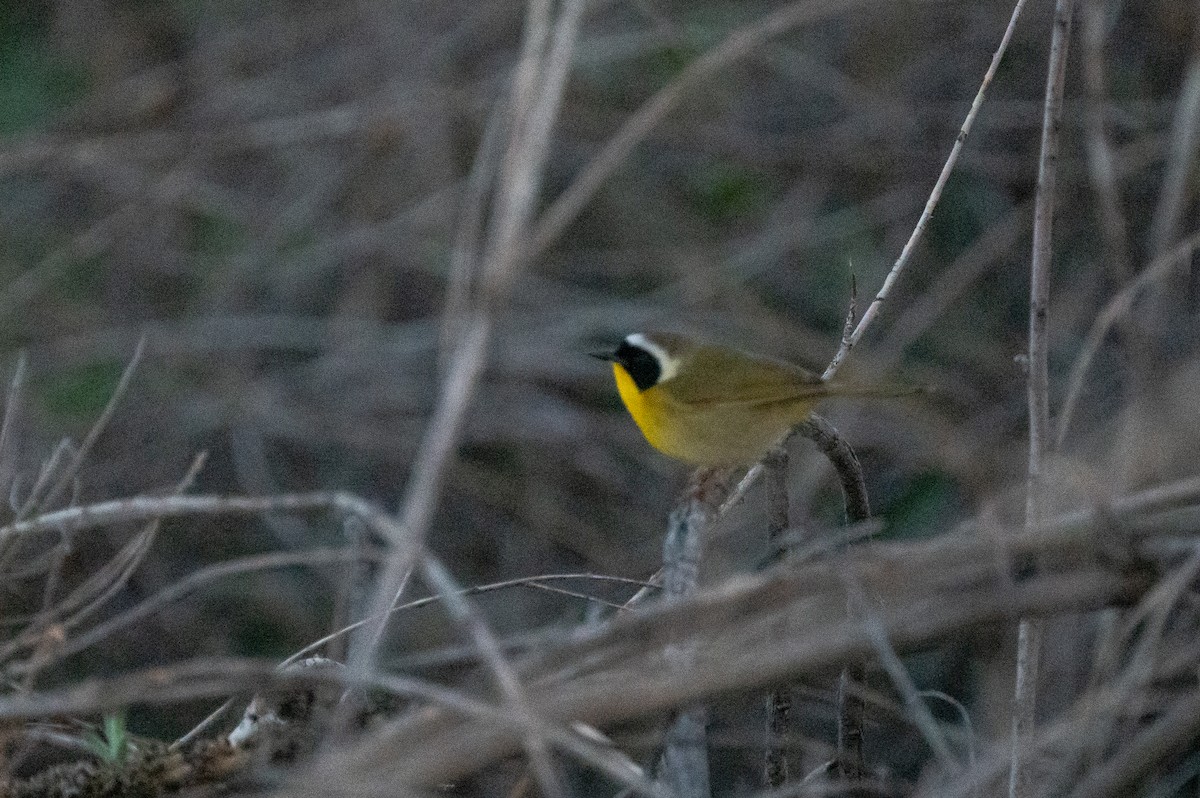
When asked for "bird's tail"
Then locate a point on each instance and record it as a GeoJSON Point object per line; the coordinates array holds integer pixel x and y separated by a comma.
{"type": "Point", "coordinates": [879, 391]}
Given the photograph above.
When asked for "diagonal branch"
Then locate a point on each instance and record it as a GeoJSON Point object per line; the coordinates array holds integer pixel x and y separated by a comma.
{"type": "Point", "coordinates": [849, 341]}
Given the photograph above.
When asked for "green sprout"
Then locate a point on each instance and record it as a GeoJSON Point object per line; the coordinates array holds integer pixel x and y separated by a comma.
{"type": "Point", "coordinates": [112, 746]}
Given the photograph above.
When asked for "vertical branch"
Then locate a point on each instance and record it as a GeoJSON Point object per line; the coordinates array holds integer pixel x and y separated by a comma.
{"type": "Point", "coordinates": [684, 763]}
{"type": "Point", "coordinates": [12, 412]}
{"type": "Point", "coordinates": [779, 700]}
{"type": "Point", "coordinates": [537, 86]}
{"type": "Point", "coordinates": [851, 717]}
{"type": "Point", "coordinates": [1030, 631]}
{"type": "Point", "coordinates": [851, 711]}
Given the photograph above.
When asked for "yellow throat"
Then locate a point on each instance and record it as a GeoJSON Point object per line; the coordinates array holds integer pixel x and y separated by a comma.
{"type": "Point", "coordinates": [635, 403]}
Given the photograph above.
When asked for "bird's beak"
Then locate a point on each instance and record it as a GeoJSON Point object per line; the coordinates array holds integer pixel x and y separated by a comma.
{"type": "Point", "coordinates": [608, 357]}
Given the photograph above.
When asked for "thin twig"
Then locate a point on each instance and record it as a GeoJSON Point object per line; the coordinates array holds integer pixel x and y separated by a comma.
{"type": "Point", "coordinates": [464, 615]}
{"type": "Point", "coordinates": [969, 735]}
{"type": "Point", "coordinates": [918, 713]}
{"type": "Point", "coordinates": [199, 678]}
{"type": "Point", "coordinates": [1029, 634]}
{"type": "Point", "coordinates": [109, 580]}
{"type": "Point", "coordinates": [204, 678]}
{"type": "Point", "coordinates": [923, 311]}
{"type": "Point", "coordinates": [142, 508]}
{"type": "Point", "coordinates": [65, 479]}
{"type": "Point", "coordinates": [9, 546]}
{"type": "Point", "coordinates": [1117, 308]}
{"type": "Point", "coordinates": [778, 700]}
{"type": "Point", "coordinates": [1132, 685]}
{"type": "Point", "coordinates": [524, 581]}
{"type": "Point", "coordinates": [851, 710]}
{"type": "Point", "coordinates": [194, 581]}
{"type": "Point", "coordinates": [935, 195]}
{"type": "Point", "coordinates": [49, 469]}
{"type": "Point", "coordinates": [287, 559]}
{"type": "Point", "coordinates": [851, 313]}
{"type": "Point", "coordinates": [1185, 142]}
{"type": "Point", "coordinates": [741, 489]}
{"type": "Point", "coordinates": [581, 744]}
{"type": "Point", "coordinates": [1104, 168]}
{"type": "Point", "coordinates": [1174, 730]}
{"type": "Point", "coordinates": [12, 408]}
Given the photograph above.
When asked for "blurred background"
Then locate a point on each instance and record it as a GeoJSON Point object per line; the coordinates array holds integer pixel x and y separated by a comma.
{"type": "Point", "coordinates": [269, 192]}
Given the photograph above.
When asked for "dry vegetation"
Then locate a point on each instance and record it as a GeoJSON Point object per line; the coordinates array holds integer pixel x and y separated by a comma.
{"type": "Point", "coordinates": [307, 286]}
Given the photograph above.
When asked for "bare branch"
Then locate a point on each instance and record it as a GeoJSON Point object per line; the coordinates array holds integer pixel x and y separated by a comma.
{"type": "Point", "coordinates": [1117, 308]}
{"type": "Point", "coordinates": [1173, 731]}
{"type": "Point", "coordinates": [1185, 142]}
{"type": "Point", "coordinates": [517, 702]}
{"type": "Point", "coordinates": [918, 232]}
{"type": "Point", "coordinates": [12, 408]}
{"type": "Point", "coordinates": [1029, 638]}
{"type": "Point", "coordinates": [142, 508]}
{"type": "Point", "coordinates": [683, 764]}
{"type": "Point", "coordinates": [619, 669]}
{"type": "Point", "coordinates": [538, 84]}
{"type": "Point", "coordinates": [68, 475]}
{"type": "Point", "coordinates": [779, 700]}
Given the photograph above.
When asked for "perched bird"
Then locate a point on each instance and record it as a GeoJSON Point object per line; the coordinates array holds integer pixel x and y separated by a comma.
{"type": "Point", "coordinates": [710, 405]}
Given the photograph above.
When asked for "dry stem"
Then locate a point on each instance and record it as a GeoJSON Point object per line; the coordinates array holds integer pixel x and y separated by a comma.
{"type": "Point", "coordinates": [1030, 631]}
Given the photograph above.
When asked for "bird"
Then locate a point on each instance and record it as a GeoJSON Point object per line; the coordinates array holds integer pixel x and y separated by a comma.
{"type": "Point", "coordinates": [710, 405]}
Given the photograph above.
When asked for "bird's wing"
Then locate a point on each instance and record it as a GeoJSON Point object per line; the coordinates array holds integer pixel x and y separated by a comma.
{"type": "Point", "coordinates": [717, 374]}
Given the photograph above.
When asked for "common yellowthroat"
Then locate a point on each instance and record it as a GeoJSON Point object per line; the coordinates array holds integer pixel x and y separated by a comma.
{"type": "Point", "coordinates": [709, 405]}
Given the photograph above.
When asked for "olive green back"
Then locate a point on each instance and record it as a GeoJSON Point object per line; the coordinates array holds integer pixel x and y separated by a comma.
{"type": "Point", "coordinates": [716, 374]}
